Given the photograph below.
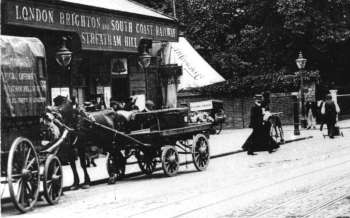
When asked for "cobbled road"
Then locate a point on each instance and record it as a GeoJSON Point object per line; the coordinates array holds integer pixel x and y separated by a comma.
{"type": "Point", "coordinates": [309, 178]}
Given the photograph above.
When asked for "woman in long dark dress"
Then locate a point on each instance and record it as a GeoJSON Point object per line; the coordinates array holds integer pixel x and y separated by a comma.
{"type": "Point", "coordinates": [260, 139]}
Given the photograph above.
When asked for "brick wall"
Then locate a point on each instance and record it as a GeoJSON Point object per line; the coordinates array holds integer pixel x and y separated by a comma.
{"type": "Point", "coordinates": [238, 109]}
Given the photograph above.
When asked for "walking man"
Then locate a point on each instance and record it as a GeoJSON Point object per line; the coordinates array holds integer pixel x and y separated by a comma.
{"type": "Point", "coordinates": [330, 109]}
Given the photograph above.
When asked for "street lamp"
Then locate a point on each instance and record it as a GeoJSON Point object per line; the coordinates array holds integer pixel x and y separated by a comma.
{"type": "Point", "coordinates": [63, 55]}
{"type": "Point", "coordinates": [301, 62]}
{"type": "Point", "coordinates": [144, 59]}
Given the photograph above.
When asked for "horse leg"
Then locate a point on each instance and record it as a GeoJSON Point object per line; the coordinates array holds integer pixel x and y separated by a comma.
{"type": "Point", "coordinates": [73, 166]}
{"type": "Point", "coordinates": [87, 159]}
{"type": "Point", "coordinates": [82, 156]}
{"type": "Point", "coordinates": [113, 176]}
{"type": "Point", "coordinates": [93, 162]}
{"type": "Point", "coordinates": [119, 163]}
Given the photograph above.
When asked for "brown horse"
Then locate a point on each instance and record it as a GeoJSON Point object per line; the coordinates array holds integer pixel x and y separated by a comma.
{"type": "Point", "coordinates": [89, 134]}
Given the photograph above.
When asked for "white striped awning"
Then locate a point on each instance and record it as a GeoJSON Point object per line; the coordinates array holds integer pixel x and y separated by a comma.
{"type": "Point", "coordinates": [122, 6]}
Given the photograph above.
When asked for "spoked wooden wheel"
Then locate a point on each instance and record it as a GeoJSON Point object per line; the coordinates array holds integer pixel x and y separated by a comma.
{"type": "Point", "coordinates": [200, 152]}
{"type": "Point", "coordinates": [53, 179]}
{"type": "Point", "coordinates": [23, 174]}
{"type": "Point", "coordinates": [170, 160]}
{"type": "Point", "coordinates": [147, 162]}
{"type": "Point", "coordinates": [115, 166]}
{"type": "Point", "coordinates": [277, 134]}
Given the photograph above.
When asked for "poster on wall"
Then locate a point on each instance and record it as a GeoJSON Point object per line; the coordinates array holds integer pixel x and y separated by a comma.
{"type": "Point", "coordinates": [79, 95]}
{"type": "Point", "coordinates": [107, 95]}
{"type": "Point", "coordinates": [64, 91]}
{"type": "Point", "coordinates": [140, 101]}
{"type": "Point", "coordinates": [119, 66]}
{"type": "Point", "coordinates": [99, 90]}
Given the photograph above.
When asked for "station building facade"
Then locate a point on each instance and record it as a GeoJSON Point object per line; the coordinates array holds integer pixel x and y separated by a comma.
{"type": "Point", "coordinates": [105, 39]}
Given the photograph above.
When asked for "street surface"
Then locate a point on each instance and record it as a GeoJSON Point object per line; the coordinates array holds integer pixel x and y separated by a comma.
{"type": "Point", "coordinates": [307, 178]}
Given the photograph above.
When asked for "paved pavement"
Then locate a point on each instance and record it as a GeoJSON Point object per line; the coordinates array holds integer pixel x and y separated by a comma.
{"type": "Point", "coordinates": [265, 185]}
{"type": "Point", "coordinates": [227, 142]}
{"type": "Point", "coordinates": [219, 145]}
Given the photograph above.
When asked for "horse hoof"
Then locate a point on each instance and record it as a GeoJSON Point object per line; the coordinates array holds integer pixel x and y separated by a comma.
{"type": "Point", "coordinates": [40, 197]}
{"type": "Point", "coordinates": [85, 186]}
{"type": "Point", "coordinates": [112, 180]}
{"type": "Point", "coordinates": [74, 187]}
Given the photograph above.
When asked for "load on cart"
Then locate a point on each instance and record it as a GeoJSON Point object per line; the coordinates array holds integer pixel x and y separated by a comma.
{"type": "Point", "coordinates": [26, 159]}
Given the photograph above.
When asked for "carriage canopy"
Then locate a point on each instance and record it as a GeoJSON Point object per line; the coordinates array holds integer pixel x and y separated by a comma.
{"type": "Point", "coordinates": [23, 84]}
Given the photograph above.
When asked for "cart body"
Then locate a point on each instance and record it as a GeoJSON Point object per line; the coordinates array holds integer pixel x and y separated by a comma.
{"type": "Point", "coordinates": [156, 136]}
{"type": "Point", "coordinates": [24, 161]}
{"type": "Point", "coordinates": [23, 92]}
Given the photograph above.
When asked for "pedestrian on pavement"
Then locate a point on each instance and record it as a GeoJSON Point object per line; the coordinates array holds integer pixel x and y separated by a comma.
{"type": "Point", "coordinates": [330, 109]}
{"type": "Point", "coordinates": [320, 117]}
{"type": "Point", "coordinates": [311, 110]}
{"type": "Point", "coordinates": [260, 139]}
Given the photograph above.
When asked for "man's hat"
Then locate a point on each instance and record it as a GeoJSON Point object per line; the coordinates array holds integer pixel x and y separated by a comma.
{"type": "Point", "coordinates": [328, 97]}
{"type": "Point", "coordinates": [258, 97]}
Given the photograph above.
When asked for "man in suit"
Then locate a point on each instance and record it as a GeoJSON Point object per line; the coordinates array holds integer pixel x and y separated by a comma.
{"type": "Point", "coordinates": [330, 109]}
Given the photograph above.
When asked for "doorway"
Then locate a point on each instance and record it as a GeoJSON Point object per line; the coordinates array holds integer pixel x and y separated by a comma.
{"type": "Point", "coordinates": [120, 88]}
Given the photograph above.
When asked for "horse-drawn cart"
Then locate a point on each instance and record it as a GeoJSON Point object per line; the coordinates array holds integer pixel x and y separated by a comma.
{"type": "Point", "coordinates": [158, 137]}
{"type": "Point", "coordinates": [24, 160]}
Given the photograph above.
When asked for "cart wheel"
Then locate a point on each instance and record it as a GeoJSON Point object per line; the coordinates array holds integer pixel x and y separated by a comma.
{"type": "Point", "coordinates": [276, 134]}
{"type": "Point", "coordinates": [147, 162]}
{"type": "Point", "coordinates": [219, 119]}
{"type": "Point", "coordinates": [170, 160]}
{"type": "Point", "coordinates": [53, 179]}
{"type": "Point", "coordinates": [116, 166]}
{"type": "Point", "coordinates": [200, 152]}
{"type": "Point", "coordinates": [23, 174]}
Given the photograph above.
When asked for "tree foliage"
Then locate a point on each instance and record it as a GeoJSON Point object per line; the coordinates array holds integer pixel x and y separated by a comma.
{"type": "Point", "coordinates": [240, 38]}
{"type": "Point", "coordinates": [252, 84]}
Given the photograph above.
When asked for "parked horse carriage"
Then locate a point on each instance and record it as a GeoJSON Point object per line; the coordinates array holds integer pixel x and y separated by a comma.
{"type": "Point", "coordinates": [152, 137]}
{"type": "Point", "coordinates": [25, 161]}
{"type": "Point", "coordinates": [209, 110]}
{"type": "Point", "coordinates": [167, 135]}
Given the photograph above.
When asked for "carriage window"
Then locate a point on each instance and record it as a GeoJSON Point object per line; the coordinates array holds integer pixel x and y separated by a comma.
{"type": "Point", "coordinates": [41, 68]}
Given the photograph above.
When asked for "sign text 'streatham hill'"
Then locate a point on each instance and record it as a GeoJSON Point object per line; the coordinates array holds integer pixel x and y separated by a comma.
{"type": "Point", "coordinates": [97, 30]}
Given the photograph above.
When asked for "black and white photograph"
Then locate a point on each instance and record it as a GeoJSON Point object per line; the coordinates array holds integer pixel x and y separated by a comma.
{"type": "Point", "coordinates": [175, 108]}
